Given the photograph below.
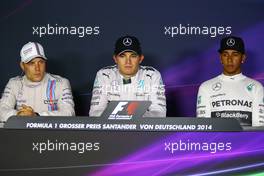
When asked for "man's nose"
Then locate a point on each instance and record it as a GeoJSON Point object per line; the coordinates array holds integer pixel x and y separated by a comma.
{"type": "Point", "coordinates": [229, 58]}
{"type": "Point", "coordinates": [37, 67]}
{"type": "Point", "coordinates": [128, 60]}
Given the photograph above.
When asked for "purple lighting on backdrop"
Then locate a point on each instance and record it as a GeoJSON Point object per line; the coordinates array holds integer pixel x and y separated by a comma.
{"type": "Point", "coordinates": [246, 150]}
{"type": "Point", "coordinates": [183, 79]}
{"type": "Point", "coordinates": [206, 65]}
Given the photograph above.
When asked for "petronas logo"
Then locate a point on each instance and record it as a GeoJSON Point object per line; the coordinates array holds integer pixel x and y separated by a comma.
{"type": "Point", "coordinates": [250, 87]}
{"type": "Point", "coordinates": [199, 100]}
{"type": "Point", "coordinates": [141, 84]}
{"type": "Point", "coordinates": [96, 82]}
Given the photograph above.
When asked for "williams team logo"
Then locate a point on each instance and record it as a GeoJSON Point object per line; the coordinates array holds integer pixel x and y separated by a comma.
{"type": "Point", "coordinates": [124, 111]}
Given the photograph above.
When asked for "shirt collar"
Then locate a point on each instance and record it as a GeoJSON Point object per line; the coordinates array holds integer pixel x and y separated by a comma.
{"type": "Point", "coordinates": [33, 84]}
{"type": "Point", "coordinates": [133, 78]}
{"type": "Point", "coordinates": [232, 78]}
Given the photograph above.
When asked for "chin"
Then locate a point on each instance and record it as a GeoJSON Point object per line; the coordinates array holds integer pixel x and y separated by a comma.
{"type": "Point", "coordinates": [129, 73]}
{"type": "Point", "coordinates": [37, 80]}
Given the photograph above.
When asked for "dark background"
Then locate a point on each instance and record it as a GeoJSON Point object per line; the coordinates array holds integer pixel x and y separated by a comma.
{"type": "Point", "coordinates": [184, 61]}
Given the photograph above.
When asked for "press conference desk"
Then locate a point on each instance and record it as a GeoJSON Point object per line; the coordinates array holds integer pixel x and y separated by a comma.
{"type": "Point", "coordinates": [93, 146]}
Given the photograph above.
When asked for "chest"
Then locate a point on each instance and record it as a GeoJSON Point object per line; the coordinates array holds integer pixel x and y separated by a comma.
{"type": "Point", "coordinates": [40, 98]}
{"type": "Point", "coordinates": [231, 94]}
{"type": "Point", "coordinates": [135, 90]}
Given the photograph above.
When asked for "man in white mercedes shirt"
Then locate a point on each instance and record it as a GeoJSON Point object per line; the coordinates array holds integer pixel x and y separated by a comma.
{"type": "Point", "coordinates": [37, 92]}
{"type": "Point", "coordinates": [128, 80]}
{"type": "Point", "coordinates": [231, 94]}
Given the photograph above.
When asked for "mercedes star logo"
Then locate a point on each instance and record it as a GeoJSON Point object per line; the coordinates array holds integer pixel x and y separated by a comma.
{"type": "Point", "coordinates": [217, 86]}
{"type": "Point", "coordinates": [127, 41]}
{"type": "Point", "coordinates": [230, 42]}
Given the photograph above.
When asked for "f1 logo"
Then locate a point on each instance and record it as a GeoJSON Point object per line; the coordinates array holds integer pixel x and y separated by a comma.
{"type": "Point", "coordinates": [119, 107]}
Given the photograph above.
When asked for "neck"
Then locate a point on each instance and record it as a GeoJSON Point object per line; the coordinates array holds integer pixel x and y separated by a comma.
{"type": "Point", "coordinates": [127, 76]}
{"type": "Point", "coordinates": [231, 74]}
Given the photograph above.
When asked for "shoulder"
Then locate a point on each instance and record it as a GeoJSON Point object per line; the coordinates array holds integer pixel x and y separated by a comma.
{"type": "Point", "coordinates": [208, 83]}
{"type": "Point", "coordinates": [13, 85]}
{"type": "Point", "coordinates": [107, 71]}
{"type": "Point", "coordinates": [15, 80]}
{"type": "Point", "coordinates": [148, 70]}
{"type": "Point", "coordinates": [110, 67]}
{"type": "Point", "coordinates": [57, 78]}
{"type": "Point", "coordinates": [253, 83]}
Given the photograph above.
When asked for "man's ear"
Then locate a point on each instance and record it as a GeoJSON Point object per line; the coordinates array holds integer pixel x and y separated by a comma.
{"type": "Point", "coordinates": [22, 66]}
{"type": "Point", "coordinates": [115, 59]}
{"type": "Point", "coordinates": [243, 58]}
{"type": "Point", "coordinates": [141, 58]}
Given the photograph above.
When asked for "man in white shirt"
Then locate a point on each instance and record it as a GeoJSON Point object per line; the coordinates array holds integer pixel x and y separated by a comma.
{"type": "Point", "coordinates": [128, 80]}
{"type": "Point", "coordinates": [231, 94]}
{"type": "Point", "coordinates": [37, 92]}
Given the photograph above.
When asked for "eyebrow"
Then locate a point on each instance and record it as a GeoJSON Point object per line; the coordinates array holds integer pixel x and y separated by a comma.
{"type": "Point", "coordinates": [225, 52]}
